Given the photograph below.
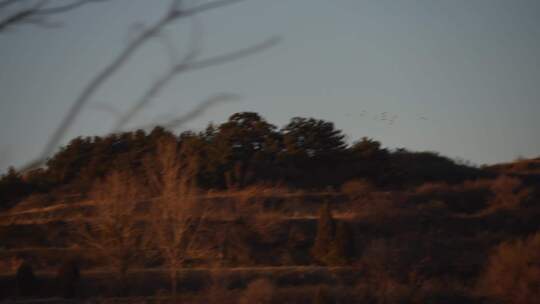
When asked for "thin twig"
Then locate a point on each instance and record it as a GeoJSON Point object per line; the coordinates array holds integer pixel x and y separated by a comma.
{"type": "Point", "coordinates": [195, 112]}
{"type": "Point", "coordinates": [116, 64]}
{"type": "Point", "coordinates": [66, 7]}
{"type": "Point", "coordinates": [186, 66]}
{"type": "Point", "coordinates": [37, 13]}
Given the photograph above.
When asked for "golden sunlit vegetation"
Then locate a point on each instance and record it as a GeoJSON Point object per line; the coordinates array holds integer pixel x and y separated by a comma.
{"type": "Point", "coordinates": [512, 273]}
{"type": "Point", "coordinates": [246, 213]}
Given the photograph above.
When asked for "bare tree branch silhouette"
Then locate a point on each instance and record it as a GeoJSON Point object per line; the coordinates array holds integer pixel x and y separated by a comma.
{"type": "Point", "coordinates": [37, 13]}
{"type": "Point", "coordinates": [185, 66]}
{"type": "Point", "coordinates": [191, 61]}
{"type": "Point", "coordinates": [195, 112]}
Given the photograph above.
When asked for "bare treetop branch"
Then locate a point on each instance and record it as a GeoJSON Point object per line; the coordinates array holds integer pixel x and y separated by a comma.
{"type": "Point", "coordinates": [185, 66]}
{"type": "Point", "coordinates": [170, 16]}
{"type": "Point", "coordinates": [37, 13]}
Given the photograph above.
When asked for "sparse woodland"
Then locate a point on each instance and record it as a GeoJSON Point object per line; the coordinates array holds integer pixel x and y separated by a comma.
{"type": "Point", "coordinates": [249, 212]}
{"type": "Point", "coordinates": [244, 212]}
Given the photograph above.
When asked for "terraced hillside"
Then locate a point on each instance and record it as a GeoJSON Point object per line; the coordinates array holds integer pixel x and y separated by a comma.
{"type": "Point", "coordinates": [430, 242]}
{"type": "Point", "coordinates": [246, 213]}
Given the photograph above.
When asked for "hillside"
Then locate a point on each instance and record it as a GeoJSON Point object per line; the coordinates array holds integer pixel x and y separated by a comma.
{"type": "Point", "coordinates": [288, 216]}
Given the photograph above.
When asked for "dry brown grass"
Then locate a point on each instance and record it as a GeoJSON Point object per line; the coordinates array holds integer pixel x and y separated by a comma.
{"type": "Point", "coordinates": [476, 196]}
{"type": "Point", "coordinates": [217, 292]}
{"type": "Point", "coordinates": [512, 274]}
{"type": "Point", "coordinates": [380, 205]}
{"type": "Point", "coordinates": [259, 291]}
{"type": "Point", "coordinates": [247, 202]}
{"type": "Point", "coordinates": [357, 189]}
{"type": "Point", "coordinates": [432, 187]}
{"type": "Point", "coordinates": [382, 288]}
{"type": "Point", "coordinates": [508, 192]}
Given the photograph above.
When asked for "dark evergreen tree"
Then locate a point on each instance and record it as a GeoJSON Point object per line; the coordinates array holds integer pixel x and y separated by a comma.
{"type": "Point", "coordinates": [367, 148]}
{"type": "Point", "coordinates": [312, 152]}
{"type": "Point", "coordinates": [326, 227]}
{"type": "Point", "coordinates": [244, 147]}
{"type": "Point", "coordinates": [333, 243]}
{"type": "Point", "coordinates": [12, 189]}
{"type": "Point", "coordinates": [309, 137]}
{"type": "Point", "coordinates": [307, 153]}
{"type": "Point", "coordinates": [341, 249]}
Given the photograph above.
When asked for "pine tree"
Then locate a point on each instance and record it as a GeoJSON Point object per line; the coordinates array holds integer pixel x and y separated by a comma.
{"type": "Point", "coordinates": [325, 234]}
{"type": "Point", "coordinates": [340, 249]}
{"type": "Point", "coordinates": [333, 243]}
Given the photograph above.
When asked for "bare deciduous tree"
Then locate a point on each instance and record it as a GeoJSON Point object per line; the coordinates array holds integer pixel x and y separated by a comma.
{"type": "Point", "coordinates": [178, 211]}
{"type": "Point", "coordinates": [115, 233]}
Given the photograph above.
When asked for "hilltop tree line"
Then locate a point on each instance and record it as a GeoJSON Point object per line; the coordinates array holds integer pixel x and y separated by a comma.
{"type": "Point", "coordinates": [306, 153]}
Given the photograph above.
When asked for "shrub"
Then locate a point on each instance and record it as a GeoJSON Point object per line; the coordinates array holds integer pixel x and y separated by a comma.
{"type": "Point", "coordinates": [322, 296]}
{"type": "Point", "coordinates": [333, 243]}
{"type": "Point", "coordinates": [259, 291]}
{"type": "Point", "coordinates": [381, 287]}
{"type": "Point", "coordinates": [68, 279]}
{"type": "Point", "coordinates": [512, 274]}
{"type": "Point", "coordinates": [219, 294]}
{"type": "Point", "coordinates": [25, 279]}
{"type": "Point", "coordinates": [433, 187]}
{"type": "Point", "coordinates": [357, 188]}
{"type": "Point", "coordinates": [342, 246]}
{"type": "Point", "coordinates": [325, 234]}
{"type": "Point", "coordinates": [12, 189]}
{"type": "Point", "coordinates": [509, 193]}
{"type": "Point", "coordinates": [469, 197]}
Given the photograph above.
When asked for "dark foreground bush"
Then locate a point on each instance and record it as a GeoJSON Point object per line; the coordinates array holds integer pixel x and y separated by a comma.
{"type": "Point", "coordinates": [322, 296]}
{"type": "Point", "coordinates": [25, 281]}
{"type": "Point", "coordinates": [68, 279]}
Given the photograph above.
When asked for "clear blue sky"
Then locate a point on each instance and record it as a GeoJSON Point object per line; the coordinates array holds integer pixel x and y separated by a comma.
{"type": "Point", "coordinates": [462, 76]}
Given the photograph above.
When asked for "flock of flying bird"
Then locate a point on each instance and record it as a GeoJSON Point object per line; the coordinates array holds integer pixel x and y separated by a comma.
{"type": "Point", "coordinates": [385, 117]}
